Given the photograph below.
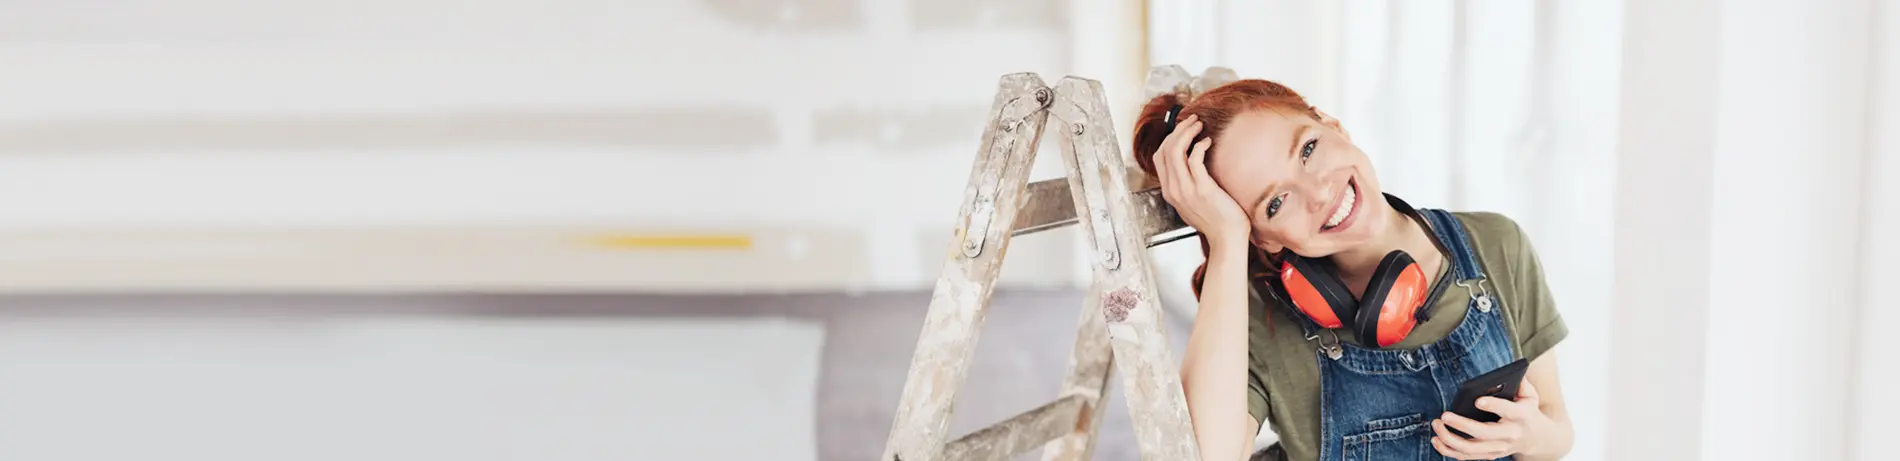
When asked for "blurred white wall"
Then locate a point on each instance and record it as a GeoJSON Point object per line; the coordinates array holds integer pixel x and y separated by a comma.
{"type": "Point", "coordinates": [832, 137]}
{"type": "Point", "coordinates": [1791, 141]}
{"type": "Point", "coordinates": [1751, 209]}
{"type": "Point", "coordinates": [1873, 373]}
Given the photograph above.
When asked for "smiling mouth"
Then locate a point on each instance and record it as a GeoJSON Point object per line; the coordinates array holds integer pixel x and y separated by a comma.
{"type": "Point", "coordinates": [1343, 212]}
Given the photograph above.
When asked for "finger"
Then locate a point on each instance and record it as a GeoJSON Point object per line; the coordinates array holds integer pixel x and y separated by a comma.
{"type": "Point", "coordinates": [1197, 162]}
{"type": "Point", "coordinates": [1443, 450]}
{"type": "Point", "coordinates": [1480, 449]}
{"type": "Point", "coordinates": [1164, 170]}
{"type": "Point", "coordinates": [1478, 430]}
{"type": "Point", "coordinates": [1477, 444]}
{"type": "Point", "coordinates": [1160, 158]}
{"type": "Point", "coordinates": [1179, 159]}
{"type": "Point", "coordinates": [1526, 391]}
{"type": "Point", "coordinates": [1161, 166]}
{"type": "Point", "coordinates": [1192, 128]}
{"type": "Point", "coordinates": [1173, 141]}
{"type": "Point", "coordinates": [1438, 443]}
{"type": "Point", "coordinates": [1183, 133]}
{"type": "Point", "coordinates": [1191, 121]}
{"type": "Point", "coordinates": [1506, 409]}
{"type": "Point", "coordinates": [1177, 142]}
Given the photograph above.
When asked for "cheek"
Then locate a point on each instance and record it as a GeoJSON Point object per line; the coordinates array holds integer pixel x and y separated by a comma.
{"type": "Point", "coordinates": [1284, 232]}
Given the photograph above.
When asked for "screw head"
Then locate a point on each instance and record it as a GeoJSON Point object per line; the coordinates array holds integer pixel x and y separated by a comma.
{"type": "Point", "coordinates": [1042, 95]}
{"type": "Point", "coordinates": [1075, 128]}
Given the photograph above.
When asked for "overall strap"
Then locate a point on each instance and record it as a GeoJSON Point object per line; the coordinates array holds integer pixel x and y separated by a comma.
{"type": "Point", "coordinates": [1464, 260]}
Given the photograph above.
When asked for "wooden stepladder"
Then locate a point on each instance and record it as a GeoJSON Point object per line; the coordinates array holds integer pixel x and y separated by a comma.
{"type": "Point", "coordinates": [1122, 214]}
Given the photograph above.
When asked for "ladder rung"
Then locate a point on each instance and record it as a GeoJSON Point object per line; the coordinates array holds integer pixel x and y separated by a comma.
{"type": "Point", "coordinates": [1050, 206]}
{"type": "Point", "coordinates": [1019, 434]}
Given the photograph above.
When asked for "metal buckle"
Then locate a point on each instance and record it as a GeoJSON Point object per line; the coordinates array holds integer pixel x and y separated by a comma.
{"type": "Point", "coordinates": [1331, 348]}
{"type": "Point", "coordinates": [1479, 295]}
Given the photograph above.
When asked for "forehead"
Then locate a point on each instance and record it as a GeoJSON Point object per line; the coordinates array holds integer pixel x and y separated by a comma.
{"type": "Point", "coordinates": [1256, 135]}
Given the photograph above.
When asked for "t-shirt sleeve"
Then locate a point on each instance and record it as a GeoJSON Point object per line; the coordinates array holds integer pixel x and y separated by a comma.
{"type": "Point", "coordinates": [1257, 405]}
{"type": "Point", "coordinates": [1539, 324]}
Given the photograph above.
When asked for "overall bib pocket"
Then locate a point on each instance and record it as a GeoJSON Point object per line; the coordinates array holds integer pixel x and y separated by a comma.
{"type": "Point", "coordinates": [1403, 438]}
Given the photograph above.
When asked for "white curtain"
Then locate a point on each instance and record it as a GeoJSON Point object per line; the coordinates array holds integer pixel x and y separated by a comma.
{"type": "Point", "coordinates": [1502, 106]}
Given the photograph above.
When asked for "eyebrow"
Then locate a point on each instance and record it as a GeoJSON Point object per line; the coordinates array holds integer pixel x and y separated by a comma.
{"type": "Point", "coordinates": [1292, 152]}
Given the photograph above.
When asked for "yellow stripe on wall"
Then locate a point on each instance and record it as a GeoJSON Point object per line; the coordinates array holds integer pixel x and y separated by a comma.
{"type": "Point", "coordinates": [674, 242]}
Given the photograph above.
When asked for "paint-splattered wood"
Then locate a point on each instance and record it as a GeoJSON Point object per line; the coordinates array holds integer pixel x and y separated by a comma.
{"type": "Point", "coordinates": [974, 259]}
{"type": "Point", "coordinates": [1089, 365]}
{"type": "Point", "coordinates": [1019, 434]}
{"type": "Point", "coordinates": [1124, 281]}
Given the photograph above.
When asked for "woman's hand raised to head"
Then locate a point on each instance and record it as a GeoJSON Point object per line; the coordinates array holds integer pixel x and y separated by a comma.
{"type": "Point", "coordinates": [1187, 186]}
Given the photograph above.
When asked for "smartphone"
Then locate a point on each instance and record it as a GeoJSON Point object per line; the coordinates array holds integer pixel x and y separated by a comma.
{"type": "Point", "coordinates": [1501, 383]}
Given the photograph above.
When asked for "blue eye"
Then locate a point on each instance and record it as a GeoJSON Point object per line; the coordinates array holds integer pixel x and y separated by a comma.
{"type": "Point", "coordinates": [1307, 150]}
{"type": "Point", "coordinates": [1273, 207]}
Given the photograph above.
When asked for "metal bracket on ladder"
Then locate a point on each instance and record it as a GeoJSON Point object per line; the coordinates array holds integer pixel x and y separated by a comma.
{"type": "Point", "coordinates": [1094, 196]}
{"type": "Point", "coordinates": [1014, 118]}
{"type": "Point", "coordinates": [1120, 326]}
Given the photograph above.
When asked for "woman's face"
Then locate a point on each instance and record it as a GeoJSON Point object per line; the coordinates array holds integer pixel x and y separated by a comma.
{"type": "Point", "coordinates": [1302, 183]}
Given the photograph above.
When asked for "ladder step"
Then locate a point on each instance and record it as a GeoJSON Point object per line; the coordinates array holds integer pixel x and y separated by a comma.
{"type": "Point", "coordinates": [1024, 432]}
{"type": "Point", "coordinates": [1051, 206]}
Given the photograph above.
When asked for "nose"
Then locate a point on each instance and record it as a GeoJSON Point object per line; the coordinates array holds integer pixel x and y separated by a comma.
{"type": "Point", "coordinates": [1318, 194]}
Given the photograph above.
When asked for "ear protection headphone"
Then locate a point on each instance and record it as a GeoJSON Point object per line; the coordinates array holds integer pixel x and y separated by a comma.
{"type": "Point", "coordinates": [1393, 303]}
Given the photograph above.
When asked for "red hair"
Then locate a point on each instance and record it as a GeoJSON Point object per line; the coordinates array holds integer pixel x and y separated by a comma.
{"type": "Point", "coordinates": [1216, 108]}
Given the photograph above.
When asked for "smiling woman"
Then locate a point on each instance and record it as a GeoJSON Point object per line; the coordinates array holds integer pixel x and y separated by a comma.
{"type": "Point", "coordinates": [1324, 305]}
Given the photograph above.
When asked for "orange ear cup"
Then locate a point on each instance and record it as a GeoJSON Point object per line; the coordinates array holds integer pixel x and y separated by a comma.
{"type": "Point", "coordinates": [1307, 298]}
{"type": "Point", "coordinates": [1399, 314]}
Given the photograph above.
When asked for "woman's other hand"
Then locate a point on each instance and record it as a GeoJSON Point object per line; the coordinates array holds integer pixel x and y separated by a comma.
{"type": "Point", "coordinates": [1182, 168]}
{"type": "Point", "coordinates": [1520, 426]}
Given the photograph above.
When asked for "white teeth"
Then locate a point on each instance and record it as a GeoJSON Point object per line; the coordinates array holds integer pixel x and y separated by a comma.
{"type": "Point", "coordinates": [1345, 208]}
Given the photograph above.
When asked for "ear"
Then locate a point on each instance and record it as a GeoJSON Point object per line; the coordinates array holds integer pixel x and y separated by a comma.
{"type": "Point", "coordinates": [1269, 247]}
{"type": "Point", "coordinates": [1328, 120]}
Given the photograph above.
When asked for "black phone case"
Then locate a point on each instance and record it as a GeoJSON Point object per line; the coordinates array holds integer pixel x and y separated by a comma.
{"type": "Point", "coordinates": [1501, 383]}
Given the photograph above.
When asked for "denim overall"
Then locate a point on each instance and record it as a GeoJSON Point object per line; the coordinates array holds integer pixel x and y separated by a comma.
{"type": "Point", "coordinates": [1379, 404]}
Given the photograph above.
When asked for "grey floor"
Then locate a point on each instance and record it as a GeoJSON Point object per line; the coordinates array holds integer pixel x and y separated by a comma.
{"type": "Point", "coordinates": [1021, 356]}
{"type": "Point", "coordinates": [1020, 360]}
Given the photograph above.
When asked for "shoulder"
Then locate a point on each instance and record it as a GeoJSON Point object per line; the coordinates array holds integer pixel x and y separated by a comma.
{"type": "Point", "coordinates": [1496, 236]}
{"type": "Point", "coordinates": [1488, 224]}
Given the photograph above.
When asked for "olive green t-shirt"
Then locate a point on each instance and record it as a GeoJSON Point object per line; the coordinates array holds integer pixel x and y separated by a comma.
{"type": "Point", "coordinates": [1283, 369]}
